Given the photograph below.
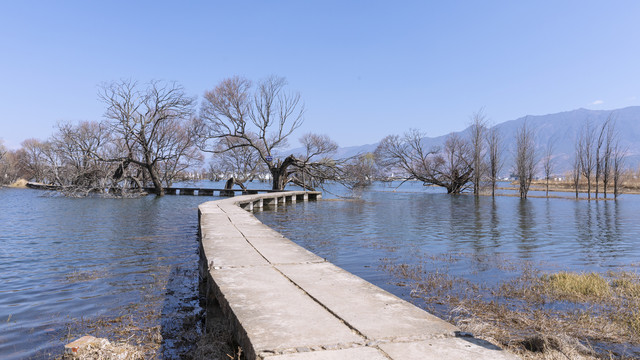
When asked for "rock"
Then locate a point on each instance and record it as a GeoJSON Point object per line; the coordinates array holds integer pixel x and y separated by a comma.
{"type": "Point", "coordinates": [89, 347]}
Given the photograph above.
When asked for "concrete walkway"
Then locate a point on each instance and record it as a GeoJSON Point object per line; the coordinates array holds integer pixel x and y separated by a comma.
{"type": "Point", "coordinates": [285, 303]}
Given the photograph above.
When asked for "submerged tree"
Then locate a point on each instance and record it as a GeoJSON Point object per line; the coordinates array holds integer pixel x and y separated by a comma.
{"type": "Point", "coordinates": [316, 165]}
{"type": "Point", "coordinates": [586, 154]}
{"type": "Point", "coordinates": [547, 164]}
{"type": "Point", "coordinates": [236, 114]}
{"type": "Point", "coordinates": [478, 148]}
{"type": "Point", "coordinates": [150, 126]}
{"type": "Point", "coordinates": [359, 172]}
{"type": "Point", "coordinates": [260, 118]}
{"type": "Point", "coordinates": [618, 159]}
{"type": "Point", "coordinates": [525, 161]}
{"type": "Point", "coordinates": [494, 144]}
{"type": "Point", "coordinates": [238, 164]}
{"type": "Point", "coordinates": [450, 167]}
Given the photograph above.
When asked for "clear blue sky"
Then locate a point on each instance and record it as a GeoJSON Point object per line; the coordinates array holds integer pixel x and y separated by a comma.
{"type": "Point", "coordinates": [365, 69]}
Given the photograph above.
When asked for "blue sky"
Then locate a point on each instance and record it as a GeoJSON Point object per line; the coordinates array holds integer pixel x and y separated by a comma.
{"type": "Point", "coordinates": [365, 69]}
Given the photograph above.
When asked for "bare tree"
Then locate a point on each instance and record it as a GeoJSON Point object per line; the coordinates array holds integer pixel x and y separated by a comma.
{"type": "Point", "coordinates": [33, 162]}
{"type": "Point", "coordinates": [586, 154]}
{"type": "Point", "coordinates": [576, 171]}
{"type": "Point", "coordinates": [5, 166]}
{"type": "Point", "coordinates": [150, 125]}
{"type": "Point", "coordinates": [450, 167]}
{"type": "Point", "coordinates": [599, 156]}
{"type": "Point", "coordinates": [478, 130]}
{"type": "Point", "coordinates": [359, 172]}
{"type": "Point", "coordinates": [3, 151]}
{"type": "Point", "coordinates": [9, 167]}
{"type": "Point", "coordinates": [618, 158]}
{"type": "Point", "coordinates": [238, 164]}
{"type": "Point", "coordinates": [261, 119]}
{"type": "Point", "coordinates": [494, 144]}
{"type": "Point", "coordinates": [316, 165]}
{"type": "Point", "coordinates": [548, 164]}
{"type": "Point", "coordinates": [606, 158]}
{"type": "Point", "coordinates": [78, 149]}
{"type": "Point", "coordinates": [525, 161]}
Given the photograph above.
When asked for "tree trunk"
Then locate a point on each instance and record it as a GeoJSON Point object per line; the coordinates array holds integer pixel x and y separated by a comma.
{"type": "Point", "coordinates": [279, 173]}
{"type": "Point", "coordinates": [279, 177]}
{"type": "Point", "coordinates": [547, 186]}
{"type": "Point", "coordinates": [597, 182]}
{"type": "Point", "coordinates": [157, 184]}
{"type": "Point", "coordinates": [229, 184]}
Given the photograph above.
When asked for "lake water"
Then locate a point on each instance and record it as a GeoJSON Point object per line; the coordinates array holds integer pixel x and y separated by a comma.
{"type": "Point", "coordinates": [70, 267]}
{"type": "Point", "coordinates": [466, 236]}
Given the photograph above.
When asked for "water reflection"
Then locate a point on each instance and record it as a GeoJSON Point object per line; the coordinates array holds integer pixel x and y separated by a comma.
{"type": "Point", "coordinates": [558, 233]}
{"type": "Point", "coordinates": [68, 263]}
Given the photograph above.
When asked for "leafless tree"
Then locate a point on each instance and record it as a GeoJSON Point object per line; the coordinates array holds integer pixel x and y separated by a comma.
{"type": "Point", "coordinates": [359, 172]}
{"type": "Point", "coordinates": [237, 164]}
{"type": "Point", "coordinates": [586, 154]}
{"type": "Point", "coordinates": [3, 151]}
{"type": "Point", "coordinates": [77, 149]}
{"type": "Point", "coordinates": [450, 167]}
{"type": "Point", "coordinates": [548, 164]}
{"type": "Point", "coordinates": [607, 154]}
{"type": "Point", "coordinates": [478, 131]}
{"type": "Point", "coordinates": [150, 124]}
{"type": "Point", "coordinates": [600, 153]}
{"type": "Point", "coordinates": [32, 160]}
{"type": "Point", "coordinates": [494, 145]}
{"type": "Point", "coordinates": [5, 165]}
{"type": "Point", "coordinates": [10, 169]}
{"type": "Point", "coordinates": [576, 172]}
{"type": "Point", "coordinates": [618, 159]}
{"type": "Point", "coordinates": [316, 165]}
{"type": "Point", "coordinates": [525, 161]}
{"type": "Point", "coordinates": [260, 118]}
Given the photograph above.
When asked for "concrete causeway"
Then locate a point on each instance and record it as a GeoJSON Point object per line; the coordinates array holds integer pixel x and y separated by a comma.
{"type": "Point", "coordinates": [286, 303]}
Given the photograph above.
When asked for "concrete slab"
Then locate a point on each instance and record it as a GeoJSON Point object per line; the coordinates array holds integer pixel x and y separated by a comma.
{"type": "Point", "coordinates": [231, 251]}
{"type": "Point", "coordinates": [363, 353]}
{"type": "Point", "coordinates": [280, 250]}
{"type": "Point", "coordinates": [274, 313]}
{"type": "Point", "coordinates": [450, 349]}
{"type": "Point", "coordinates": [372, 311]}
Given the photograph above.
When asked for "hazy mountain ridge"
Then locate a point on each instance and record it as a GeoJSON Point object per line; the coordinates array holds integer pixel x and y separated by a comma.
{"type": "Point", "coordinates": [562, 129]}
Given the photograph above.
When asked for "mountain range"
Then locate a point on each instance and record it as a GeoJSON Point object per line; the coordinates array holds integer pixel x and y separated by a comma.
{"type": "Point", "coordinates": [561, 129]}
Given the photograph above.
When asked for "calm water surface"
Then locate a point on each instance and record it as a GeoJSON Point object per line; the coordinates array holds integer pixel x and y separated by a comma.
{"type": "Point", "coordinates": [66, 262]}
{"type": "Point", "coordinates": [417, 223]}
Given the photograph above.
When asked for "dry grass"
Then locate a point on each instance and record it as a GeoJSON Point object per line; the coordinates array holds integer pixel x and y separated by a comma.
{"type": "Point", "coordinates": [20, 183]}
{"type": "Point", "coordinates": [561, 315]}
{"type": "Point", "coordinates": [102, 349]}
{"type": "Point", "coordinates": [576, 286]}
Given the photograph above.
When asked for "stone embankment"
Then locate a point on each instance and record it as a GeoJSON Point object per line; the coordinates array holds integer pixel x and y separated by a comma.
{"type": "Point", "coordinates": [286, 303]}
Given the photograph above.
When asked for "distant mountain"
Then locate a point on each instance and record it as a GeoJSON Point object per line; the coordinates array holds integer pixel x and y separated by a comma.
{"type": "Point", "coordinates": [562, 129]}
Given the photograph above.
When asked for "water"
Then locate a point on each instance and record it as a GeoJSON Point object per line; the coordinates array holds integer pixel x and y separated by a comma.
{"type": "Point", "coordinates": [70, 267]}
{"type": "Point", "coordinates": [483, 233]}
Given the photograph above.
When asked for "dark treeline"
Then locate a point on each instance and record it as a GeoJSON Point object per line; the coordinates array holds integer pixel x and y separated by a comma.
{"type": "Point", "coordinates": [154, 134]}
